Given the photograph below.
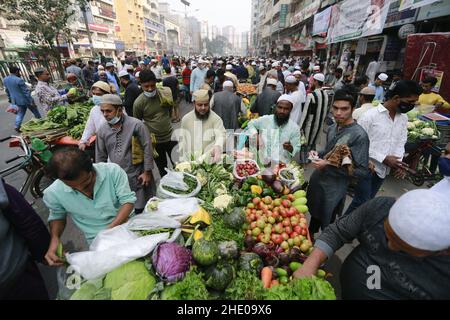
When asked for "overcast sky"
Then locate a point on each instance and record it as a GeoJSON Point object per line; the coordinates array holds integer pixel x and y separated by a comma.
{"type": "Point", "coordinates": [218, 12]}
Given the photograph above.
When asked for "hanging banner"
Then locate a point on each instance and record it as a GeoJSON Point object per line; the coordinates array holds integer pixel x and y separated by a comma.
{"type": "Point", "coordinates": [305, 13]}
{"type": "Point", "coordinates": [321, 21]}
{"type": "Point", "coordinates": [435, 10]}
{"type": "Point", "coordinates": [396, 17]}
{"type": "Point", "coordinates": [414, 4]}
{"type": "Point", "coordinates": [353, 19]}
{"type": "Point", "coordinates": [284, 9]}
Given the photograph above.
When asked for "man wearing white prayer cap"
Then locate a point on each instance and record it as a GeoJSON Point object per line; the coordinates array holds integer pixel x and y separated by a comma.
{"type": "Point", "coordinates": [297, 90]}
{"type": "Point", "coordinates": [378, 86]}
{"type": "Point", "coordinates": [279, 138]}
{"type": "Point", "coordinates": [403, 251]}
{"type": "Point", "coordinates": [230, 75]}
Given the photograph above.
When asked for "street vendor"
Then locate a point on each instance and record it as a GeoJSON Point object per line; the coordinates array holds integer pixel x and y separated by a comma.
{"type": "Point", "coordinates": [126, 141]}
{"type": "Point", "coordinates": [96, 118]}
{"type": "Point", "coordinates": [403, 254]}
{"type": "Point", "coordinates": [97, 196]}
{"type": "Point", "coordinates": [279, 137]}
{"type": "Point", "coordinates": [329, 182]}
{"type": "Point", "coordinates": [202, 132]}
{"type": "Point", "coordinates": [75, 86]}
{"type": "Point", "coordinates": [429, 98]}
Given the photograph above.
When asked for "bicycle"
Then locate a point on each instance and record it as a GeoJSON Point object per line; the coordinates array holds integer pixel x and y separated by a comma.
{"type": "Point", "coordinates": [37, 180]}
{"type": "Point", "coordinates": [418, 170]}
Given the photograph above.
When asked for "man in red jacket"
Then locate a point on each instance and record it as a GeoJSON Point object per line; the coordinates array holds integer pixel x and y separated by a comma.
{"type": "Point", "coordinates": [186, 74]}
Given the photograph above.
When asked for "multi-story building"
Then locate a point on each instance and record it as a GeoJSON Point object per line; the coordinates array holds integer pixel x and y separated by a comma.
{"type": "Point", "coordinates": [131, 25]}
{"type": "Point", "coordinates": [155, 30]}
{"type": "Point", "coordinates": [255, 31]}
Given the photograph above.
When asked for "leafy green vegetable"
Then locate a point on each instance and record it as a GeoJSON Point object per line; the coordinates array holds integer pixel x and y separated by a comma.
{"type": "Point", "coordinates": [223, 233]}
{"type": "Point", "coordinates": [132, 281]}
{"type": "Point", "coordinates": [92, 290]}
{"type": "Point", "coordinates": [312, 288]}
{"type": "Point", "coordinates": [192, 287]}
{"type": "Point", "coordinates": [246, 286]}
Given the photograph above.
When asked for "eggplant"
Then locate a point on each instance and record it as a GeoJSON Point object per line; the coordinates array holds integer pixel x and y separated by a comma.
{"type": "Point", "coordinates": [277, 186]}
{"type": "Point", "coordinates": [268, 176]}
{"type": "Point", "coordinates": [284, 258]}
{"type": "Point", "coordinates": [288, 270]}
{"type": "Point", "coordinates": [272, 261]}
{"type": "Point", "coordinates": [261, 249]}
{"type": "Point", "coordinates": [249, 242]}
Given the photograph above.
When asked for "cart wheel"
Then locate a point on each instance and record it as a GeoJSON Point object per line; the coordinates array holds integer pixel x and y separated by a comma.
{"type": "Point", "coordinates": [40, 182]}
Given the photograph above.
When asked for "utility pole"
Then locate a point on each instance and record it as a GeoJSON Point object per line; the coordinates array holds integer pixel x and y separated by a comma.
{"type": "Point", "coordinates": [83, 9]}
{"type": "Point", "coordinates": [187, 4]}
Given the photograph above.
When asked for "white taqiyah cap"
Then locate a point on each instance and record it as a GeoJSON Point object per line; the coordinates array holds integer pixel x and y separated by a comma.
{"type": "Point", "coordinates": [297, 72]}
{"type": "Point", "coordinates": [229, 67]}
{"type": "Point", "coordinates": [290, 79]}
{"type": "Point", "coordinates": [421, 218]}
{"type": "Point", "coordinates": [319, 77]}
{"type": "Point", "coordinates": [276, 64]}
{"type": "Point", "coordinates": [383, 76]}
{"type": "Point", "coordinates": [262, 68]}
{"type": "Point", "coordinates": [228, 84]}
{"type": "Point", "coordinates": [316, 68]}
{"type": "Point", "coordinates": [287, 97]}
{"type": "Point", "coordinates": [272, 82]}
{"type": "Point", "coordinates": [109, 64]}
{"type": "Point", "coordinates": [113, 99]}
{"type": "Point", "coordinates": [123, 73]}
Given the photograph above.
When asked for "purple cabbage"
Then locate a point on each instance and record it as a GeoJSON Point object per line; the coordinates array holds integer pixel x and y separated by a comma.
{"type": "Point", "coordinates": [171, 261]}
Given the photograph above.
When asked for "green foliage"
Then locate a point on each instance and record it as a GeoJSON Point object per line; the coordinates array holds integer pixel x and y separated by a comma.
{"type": "Point", "coordinates": [246, 286]}
{"type": "Point", "coordinates": [192, 287]}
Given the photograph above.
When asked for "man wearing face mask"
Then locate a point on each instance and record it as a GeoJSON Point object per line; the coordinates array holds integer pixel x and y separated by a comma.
{"type": "Point", "coordinates": [386, 126]}
{"type": "Point", "coordinates": [96, 118]}
{"type": "Point", "coordinates": [198, 76]}
{"type": "Point", "coordinates": [116, 140]}
{"type": "Point", "coordinates": [47, 96]}
{"type": "Point", "coordinates": [405, 242]}
{"type": "Point", "coordinates": [154, 107]}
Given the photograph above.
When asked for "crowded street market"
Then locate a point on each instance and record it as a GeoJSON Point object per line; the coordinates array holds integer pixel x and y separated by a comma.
{"type": "Point", "coordinates": [307, 158]}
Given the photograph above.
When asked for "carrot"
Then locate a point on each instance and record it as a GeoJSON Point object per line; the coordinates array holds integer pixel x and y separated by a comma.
{"type": "Point", "coordinates": [266, 276]}
{"type": "Point", "coordinates": [274, 283]}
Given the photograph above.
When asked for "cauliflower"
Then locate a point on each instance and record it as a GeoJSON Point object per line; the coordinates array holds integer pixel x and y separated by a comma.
{"type": "Point", "coordinates": [203, 180]}
{"type": "Point", "coordinates": [427, 131]}
{"type": "Point", "coordinates": [411, 125]}
{"type": "Point", "coordinates": [222, 202]}
{"type": "Point", "coordinates": [418, 123]}
{"type": "Point", "coordinates": [221, 189]}
{"type": "Point", "coordinates": [183, 167]}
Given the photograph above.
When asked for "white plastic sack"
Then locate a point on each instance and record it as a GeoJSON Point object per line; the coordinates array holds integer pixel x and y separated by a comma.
{"type": "Point", "coordinates": [95, 264]}
{"type": "Point", "coordinates": [178, 209]}
{"type": "Point", "coordinates": [148, 221]}
{"type": "Point", "coordinates": [108, 238]}
{"type": "Point", "coordinates": [175, 180]}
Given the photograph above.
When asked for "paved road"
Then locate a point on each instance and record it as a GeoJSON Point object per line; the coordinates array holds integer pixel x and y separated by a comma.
{"type": "Point", "coordinates": [73, 239]}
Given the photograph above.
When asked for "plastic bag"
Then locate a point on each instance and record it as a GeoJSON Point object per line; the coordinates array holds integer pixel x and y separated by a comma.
{"type": "Point", "coordinates": [112, 237]}
{"type": "Point", "coordinates": [174, 180]}
{"type": "Point", "coordinates": [95, 264]}
{"type": "Point", "coordinates": [178, 209]}
{"type": "Point", "coordinates": [12, 108]}
{"type": "Point", "coordinates": [149, 221]}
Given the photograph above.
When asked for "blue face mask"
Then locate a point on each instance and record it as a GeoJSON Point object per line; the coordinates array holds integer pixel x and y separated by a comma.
{"type": "Point", "coordinates": [150, 94]}
{"type": "Point", "coordinates": [96, 100]}
{"type": "Point", "coordinates": [444, 166]}
{"type": "Point", "coordinates": [114, 120]}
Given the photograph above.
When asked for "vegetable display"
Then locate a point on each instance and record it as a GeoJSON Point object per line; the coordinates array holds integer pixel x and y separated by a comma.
{"type": "Point", "coordinates": [71, 120]}
{"type": "Point", "coordinates": [418, 129]}
{"type": "Point", "coordinates": [243, 241]}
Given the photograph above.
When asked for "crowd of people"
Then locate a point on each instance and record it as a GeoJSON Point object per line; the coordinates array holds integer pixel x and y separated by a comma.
{"type": "Point", "coordinates": [137, 104]}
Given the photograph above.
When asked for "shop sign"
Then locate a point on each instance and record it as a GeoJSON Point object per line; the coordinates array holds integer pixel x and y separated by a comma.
{"type": "Point", "coordinates": [305, 13]}
{"type": "Point", "coordinates": [406, 30]}
{"type": "Point", "coordinates": [321, 21]}
{"type": "Point", "coordinates": [353, 19]}
{"type": "Point", "coordinates": [435, 10]}
{"type": "Point", "coordinates": [396, 17]}
{"type": "Point", "coordinates": [414, 4]}
{"type": "Point", "coordinates": [99, 28]}
{"type": "Point", "coordinates": [284, 9]}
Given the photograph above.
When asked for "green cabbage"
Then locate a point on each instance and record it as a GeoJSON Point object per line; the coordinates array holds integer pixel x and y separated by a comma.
{"type": "Point", "coordinates": [92, 290]}
{"type": "Point", "coordinates": [312, 288]}
{"type": "Point", "coordinates": [131, 281]}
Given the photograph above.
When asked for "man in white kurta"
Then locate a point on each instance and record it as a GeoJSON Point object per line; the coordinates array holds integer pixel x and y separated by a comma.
{"type": "Point", "coordinates": [202, 133]}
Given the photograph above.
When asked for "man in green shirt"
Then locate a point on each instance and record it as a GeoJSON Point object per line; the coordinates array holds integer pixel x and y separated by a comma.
{"type": "Point", "coordinates": [97, 197]}
{"type": "Point", "coordinates": [279, 137]}
{"type": "Point", "coordinates": [154, 106]}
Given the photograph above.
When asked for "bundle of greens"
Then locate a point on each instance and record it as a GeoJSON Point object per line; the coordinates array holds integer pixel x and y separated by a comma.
{"type": "Point", "coordinates": [312, 288]}
{"type": "Point", "coordinates": [246, 286]}
{"type": "Point", "coordinates": [192, 287]}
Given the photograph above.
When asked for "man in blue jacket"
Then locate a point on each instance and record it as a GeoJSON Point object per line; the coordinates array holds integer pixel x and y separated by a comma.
{"type": "Point", "coordinates": [19, 95]}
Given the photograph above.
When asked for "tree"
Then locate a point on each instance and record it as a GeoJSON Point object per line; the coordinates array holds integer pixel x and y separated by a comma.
{"type": "Point", "coordinates": [217, 46]}
{"type": "Point", "coordinates": [45, 22]}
